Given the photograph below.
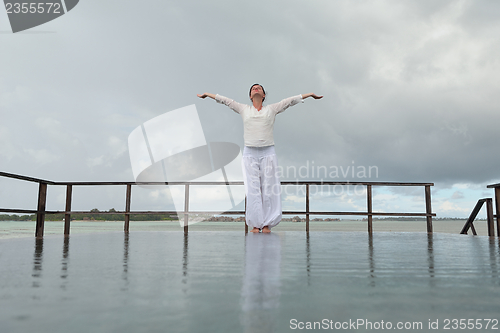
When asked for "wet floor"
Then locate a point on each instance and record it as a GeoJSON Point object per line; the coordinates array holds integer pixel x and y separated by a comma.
{"type": "Point", "coordinates": [228, 282]}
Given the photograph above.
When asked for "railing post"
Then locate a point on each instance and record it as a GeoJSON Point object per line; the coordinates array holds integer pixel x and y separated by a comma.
{"type": "Point", "coordinates": [307, 208]}
{"type": "Point", "coordinates": [428, 208]}
{"type": "Point", "coordinates": [186, 207]}
{"type": "Point", "coordinates": [369, 207]}
{"type": "Point", "coordinates": [40, 215]}
{"type": "Point", "coordinates": [497, 204]}
{"type": "Point", "coordinates": [67, 215]}
{"type": "Point", "coordinates": [126, 227]}
{"type": "Point", "coordinates": [489, 217]}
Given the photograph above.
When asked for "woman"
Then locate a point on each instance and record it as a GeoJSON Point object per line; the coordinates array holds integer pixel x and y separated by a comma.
{"type": "Point", "coordinates": [260, 165]}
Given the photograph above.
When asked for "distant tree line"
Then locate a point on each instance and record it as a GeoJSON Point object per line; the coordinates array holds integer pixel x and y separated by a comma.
{"type": "Point", "coordinates": [6, 217]}
{"type": "Point", "coordinates": [93, 216]}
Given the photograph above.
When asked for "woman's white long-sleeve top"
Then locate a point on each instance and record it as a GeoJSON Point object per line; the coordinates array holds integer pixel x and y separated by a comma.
{"type": "Point", "coordinates": [258, 125]}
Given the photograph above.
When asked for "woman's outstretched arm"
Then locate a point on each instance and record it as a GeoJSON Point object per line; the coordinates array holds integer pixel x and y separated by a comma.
{"type": "Point", "coordinates": [212, 96]}
{"type": "Point", "coordinates": [313, 95]}
{"type": "Point", "coordinates": [235, 106]}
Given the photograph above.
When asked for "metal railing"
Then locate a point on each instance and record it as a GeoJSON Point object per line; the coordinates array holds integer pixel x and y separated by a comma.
{"type": "Point", "coordinates": [497, 205]}
{"type": "Point", "coordinates": [489, 218]}
{"type": "Point", "coordinates": [43, 184]}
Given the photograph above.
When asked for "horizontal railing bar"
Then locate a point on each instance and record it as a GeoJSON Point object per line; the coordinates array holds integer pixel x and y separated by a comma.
{"type": "Point", "coordinates": [146, 183]}
{"type": "Point", "coordinates": [211, 212]}
{"type": "Point", "coordinates": [360, 213]}
{"type": "Point", "coordinates": [403, 214]}
{"type": "Point", "coordinates": [106, 183]}
{"type": "Point", "coordinates": [284, 182]}
{"type": "Point", "coordinates": [304, 182]}
{"type": "Point", "coordinates": [28, 179]}
{"type": "Point", "coordinates": [132, 212]}
{"type": "Point", "coordinates": [493, 185]}
{"type": "Point", "coordinates": [104, 213]}
{"type": "Point", "coordinates": [27, 211]}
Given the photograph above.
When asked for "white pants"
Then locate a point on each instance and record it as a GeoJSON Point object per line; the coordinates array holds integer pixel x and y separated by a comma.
{"type": "Point", "coordinates": [262, 187]}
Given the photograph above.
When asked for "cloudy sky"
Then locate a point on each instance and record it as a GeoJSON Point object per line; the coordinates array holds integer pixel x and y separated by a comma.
{"type": "Point", "coordinates": [409, 89]}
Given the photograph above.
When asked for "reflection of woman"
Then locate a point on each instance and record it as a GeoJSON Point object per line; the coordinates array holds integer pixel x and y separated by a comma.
{"type": "Point", "coordinates": [260, 293]}
{"type": "Point", "coordinates": [260, 164]}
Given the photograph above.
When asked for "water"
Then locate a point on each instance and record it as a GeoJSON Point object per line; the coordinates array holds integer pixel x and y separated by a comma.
{"type": "Point", "coordinates": [14, 229]}
{"type": "Point", "coordinates": [224, 281]}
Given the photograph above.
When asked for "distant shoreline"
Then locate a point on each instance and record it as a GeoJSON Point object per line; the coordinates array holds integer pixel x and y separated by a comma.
{"type": "Point", "coordinates": [112, 215]}
{"type": "Point", "coordinates": [240, 219]}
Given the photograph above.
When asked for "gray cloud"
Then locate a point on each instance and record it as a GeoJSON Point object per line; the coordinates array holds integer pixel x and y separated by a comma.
{"type": "Point", "coordinates": [457, 195]}
{"type": "Point", "coordinates": [410, 87]}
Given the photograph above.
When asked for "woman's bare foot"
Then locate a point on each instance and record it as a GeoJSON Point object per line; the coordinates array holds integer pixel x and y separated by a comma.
{"type": "Point", "coordinates": [266, 229]}
{"type": "Point", "coordinates": [255, 230]}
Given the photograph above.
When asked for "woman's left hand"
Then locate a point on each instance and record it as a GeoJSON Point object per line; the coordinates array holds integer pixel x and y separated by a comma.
{"type": "Point", "coordinates": [313, 95]}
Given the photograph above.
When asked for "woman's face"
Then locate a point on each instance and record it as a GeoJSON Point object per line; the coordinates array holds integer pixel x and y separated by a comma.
{"type": "Point", "coordinates": [257, 90]}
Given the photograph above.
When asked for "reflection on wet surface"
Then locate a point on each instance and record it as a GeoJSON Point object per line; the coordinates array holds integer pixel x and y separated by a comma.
{"type": "Point", "coordinates": [260, 293]}
{"type": "Point", "coordinates": [430, 254]}
{"type": "Point", "coordinates": [125, 260]}
{"type": "Point", "coordinates": [37, 262]}
{"type": "Point", "coordinates": [64, 262]}
{"type": "Point", "coordinates": [371, 260]}
{"type": "Point", "coordinates": [232, 282]}
{"type": "Point", "coordinates": [185, 259]}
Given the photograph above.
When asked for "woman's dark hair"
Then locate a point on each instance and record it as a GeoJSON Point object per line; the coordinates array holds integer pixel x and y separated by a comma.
{"type": "Point", "coordinates": [263, 90]}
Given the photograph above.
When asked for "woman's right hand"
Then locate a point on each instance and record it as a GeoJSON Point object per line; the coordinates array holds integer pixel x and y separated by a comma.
{"type": "Point", "coordinates": [205, 95]}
